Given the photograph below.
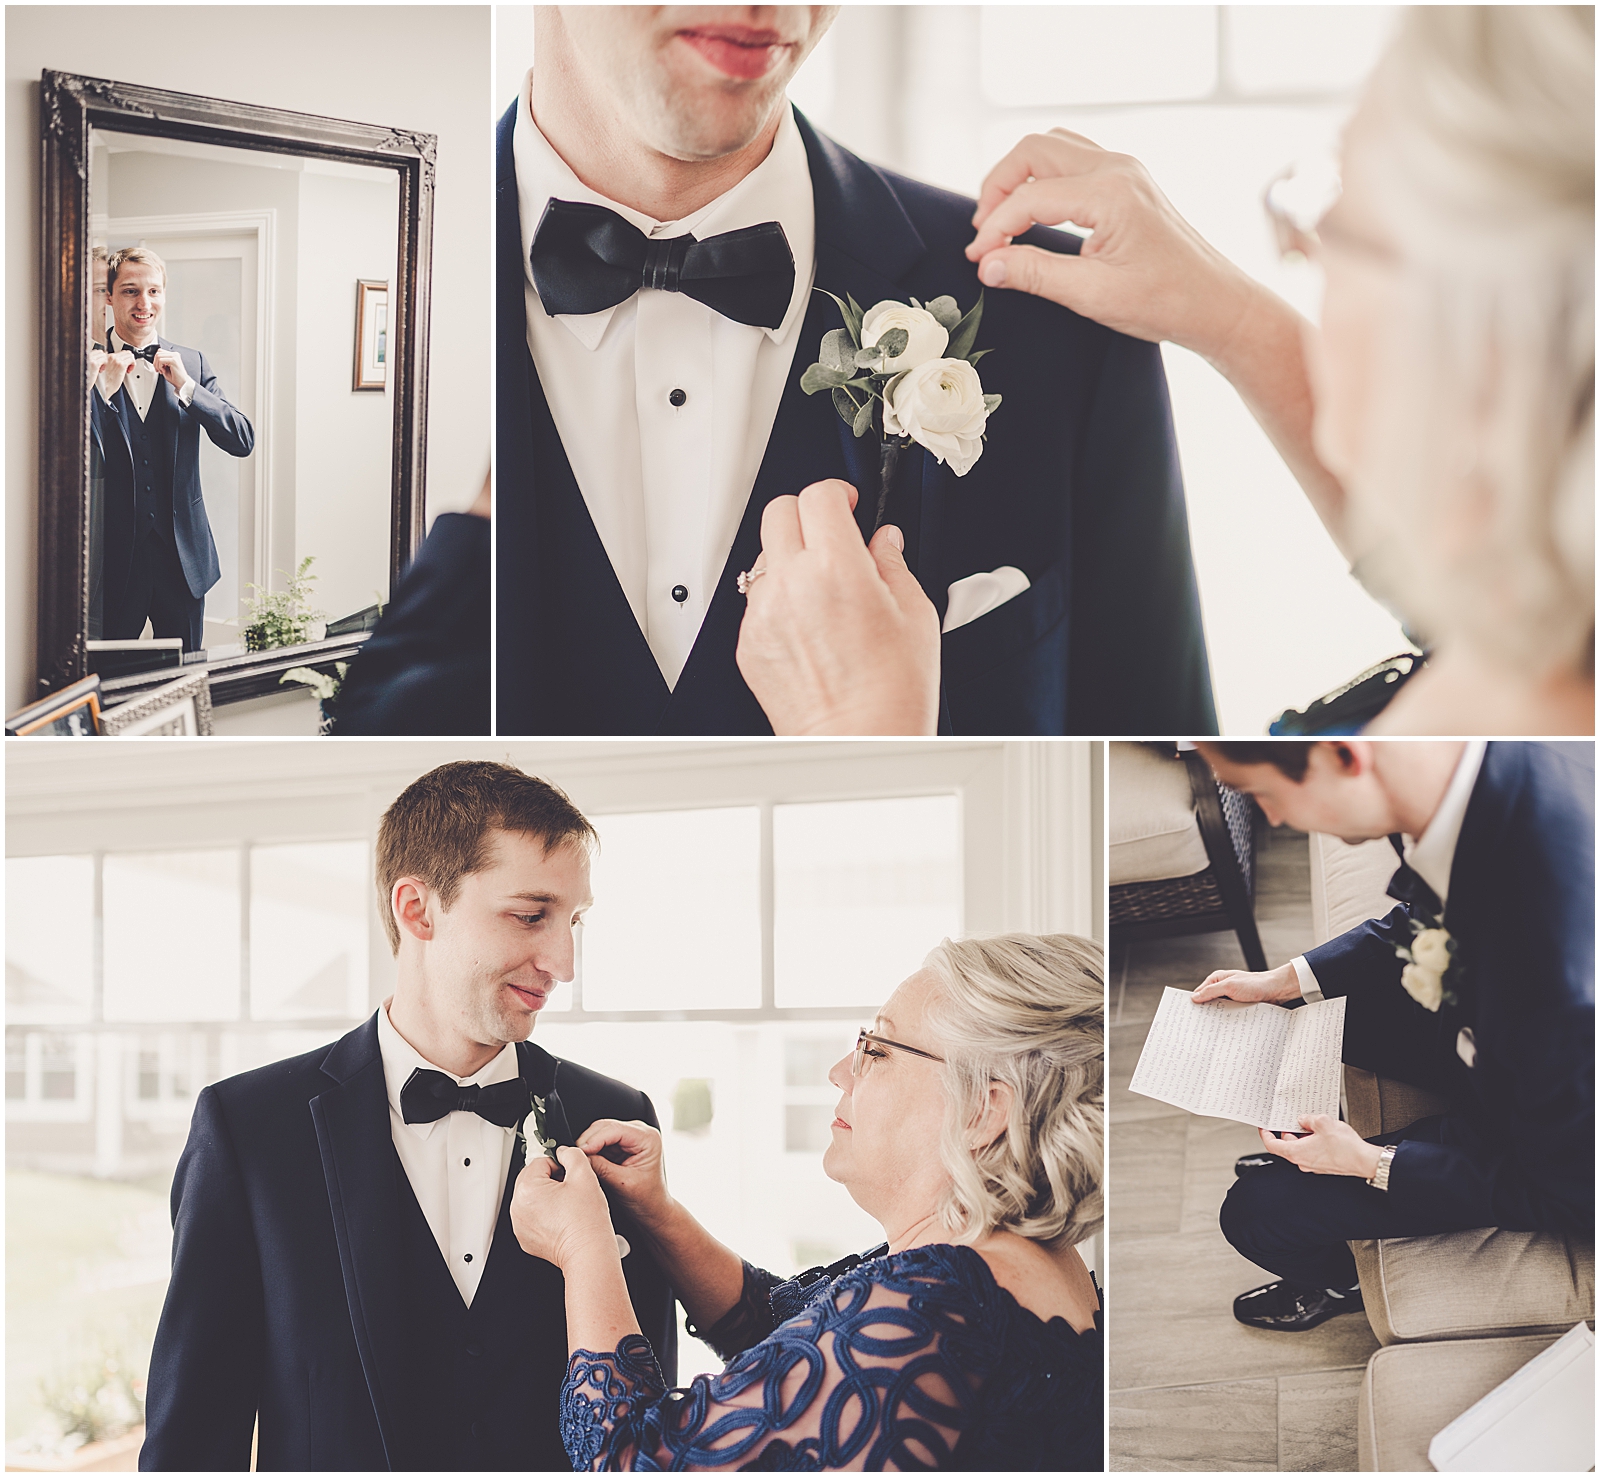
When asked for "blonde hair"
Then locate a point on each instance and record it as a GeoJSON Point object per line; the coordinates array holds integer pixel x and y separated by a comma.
{"type": "Point", "coordinates": [1029, 1011]}
{"type": "Point", "coordinates": [119, 259]}
{"type": "Point", "coordinates": [1481, 527]}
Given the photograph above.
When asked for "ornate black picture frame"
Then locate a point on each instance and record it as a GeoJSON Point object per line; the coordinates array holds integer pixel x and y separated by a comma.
{"type": "Point", "coordinates": [69, 107]}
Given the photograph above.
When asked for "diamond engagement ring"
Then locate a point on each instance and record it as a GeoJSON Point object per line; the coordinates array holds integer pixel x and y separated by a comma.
{"type": "Point", "coordinates": [747, 578]}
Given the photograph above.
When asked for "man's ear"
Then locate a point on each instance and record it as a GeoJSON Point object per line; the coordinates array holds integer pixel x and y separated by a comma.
{"type": "Point", "coordinates": [991, 1121]}
{"type": "Point", "coordinates": [411, 901]}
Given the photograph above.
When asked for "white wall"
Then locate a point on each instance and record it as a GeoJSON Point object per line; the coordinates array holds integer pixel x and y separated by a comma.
{"type": "Point", "coordinates": [405, 66]}
{"type": "Point", "coordinates": [341, 488]}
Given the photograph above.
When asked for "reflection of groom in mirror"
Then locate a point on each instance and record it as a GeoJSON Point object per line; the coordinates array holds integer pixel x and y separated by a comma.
{"type": "Point", "coordinates": [642, 430]}
{"type": "Point", "coordinates": [151, 401]}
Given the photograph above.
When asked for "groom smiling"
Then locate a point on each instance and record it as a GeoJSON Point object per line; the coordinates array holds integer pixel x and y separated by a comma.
{"type": "Point", "coordinates": [664, 216]}
{"type": "Point", "coordinates": [347, 1293]}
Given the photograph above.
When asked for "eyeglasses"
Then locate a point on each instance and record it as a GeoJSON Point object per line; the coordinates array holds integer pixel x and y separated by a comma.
{"type": "Point", "coordinates": [1296, 202]}
{"type": "Point", "coordinates": [859, 1063]}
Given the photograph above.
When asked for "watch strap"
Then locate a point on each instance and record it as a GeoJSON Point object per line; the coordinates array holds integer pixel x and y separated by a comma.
{"type": "Point", "coordinates": [1380, 1176]}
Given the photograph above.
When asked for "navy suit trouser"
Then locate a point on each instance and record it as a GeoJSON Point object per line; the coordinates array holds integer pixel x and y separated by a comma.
{"type": "Point", "coordinates": [1296, 1225]}
{"type": "Point", "coordinates": [158, 591]}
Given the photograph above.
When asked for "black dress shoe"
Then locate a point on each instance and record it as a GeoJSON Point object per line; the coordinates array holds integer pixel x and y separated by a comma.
{"type": "Point", "coordinates": [1286, 1307]}
{"type": "Point", "coordinates": [1249, 1163]}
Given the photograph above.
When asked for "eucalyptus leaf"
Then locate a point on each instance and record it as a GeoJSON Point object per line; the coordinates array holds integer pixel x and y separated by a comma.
{"type": "Point", "coordinates": [976, 355]}
{"type": "Point", "coordinates": [863, 383]}
{"type": "Point", "coordinates": [845, 403]}
{"type": "Point", "coordinates": [820, 377]}
{"type": "Point", "coordinates": [946, 311]}
{"type": "Point", "coordinates": [863, 420]}
{"type": "Point", "coordinates": [837, 351]}
{"type": "Point", "coordinates": [966, 331]}
{"type": "Point", "coordinates": [866, 358]}
{"type": "Point", "coordinates": [991, 403]}
{"type": "Point", "coordinates": [894, 342]}
{"type": "Point", "coordinates": [890, 386]}
{"type": "Point", "coordinates": [851, 315]}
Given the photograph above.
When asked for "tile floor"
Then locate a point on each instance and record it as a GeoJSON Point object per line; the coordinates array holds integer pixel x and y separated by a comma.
{"type": "Point", "coordinates": [1191, 1389]}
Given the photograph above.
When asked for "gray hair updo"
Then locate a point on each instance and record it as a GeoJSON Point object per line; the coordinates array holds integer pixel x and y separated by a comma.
{"type": "Point", "coordinates": [1481, 529]}
{"type": "Point", "coordinates": [1029, 1011]}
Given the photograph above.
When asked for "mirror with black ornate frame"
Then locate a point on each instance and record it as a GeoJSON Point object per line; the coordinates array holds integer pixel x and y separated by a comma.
{"type": "Point", "coordinates": [297, 248]}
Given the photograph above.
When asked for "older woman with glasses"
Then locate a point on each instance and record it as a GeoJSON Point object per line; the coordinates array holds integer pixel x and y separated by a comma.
{"type": "Point", "coordinates": [1442, 420]}
{"type": "Point", "coordinates": [971, 1127]}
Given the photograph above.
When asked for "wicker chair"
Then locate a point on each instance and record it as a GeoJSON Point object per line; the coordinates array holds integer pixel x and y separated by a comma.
{"type": "Point", "coordinates": [1174, 790]}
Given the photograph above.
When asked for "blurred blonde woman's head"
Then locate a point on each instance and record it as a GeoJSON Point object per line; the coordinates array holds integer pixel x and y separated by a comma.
{"type": "Point", "coordinates": [1473, 484]}
{"type": "Point", "coordinates": [1027, 1011]}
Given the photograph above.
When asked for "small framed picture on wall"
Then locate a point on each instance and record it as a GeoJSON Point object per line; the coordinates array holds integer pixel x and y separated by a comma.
{"type": "Point", "coordinates": [372, 334]}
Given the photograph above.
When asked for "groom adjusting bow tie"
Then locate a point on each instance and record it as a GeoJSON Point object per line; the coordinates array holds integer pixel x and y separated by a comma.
{"type": "Point", "coordinates": [586, 258]}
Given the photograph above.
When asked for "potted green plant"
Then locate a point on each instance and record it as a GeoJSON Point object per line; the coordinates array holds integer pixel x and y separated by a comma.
{"type": "Point", "coordinates": [284, 617]}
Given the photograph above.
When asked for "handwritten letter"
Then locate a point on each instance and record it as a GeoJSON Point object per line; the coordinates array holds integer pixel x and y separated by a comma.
{"type": "Point", "coordinates": [1258, 1064]}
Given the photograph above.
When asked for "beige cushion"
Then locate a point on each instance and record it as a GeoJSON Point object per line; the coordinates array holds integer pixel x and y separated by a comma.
{"type": "Point", "coordinates": [1476, 1284]}
{"type": "Point", "coordinates": [1411, 1392]}
{"type": "Point", "coordinates": [1375, 1105]}
{"type": "Point", "coordinates": [1347, 884]}
{"type": "Point", "coordinates": [1154, 834]}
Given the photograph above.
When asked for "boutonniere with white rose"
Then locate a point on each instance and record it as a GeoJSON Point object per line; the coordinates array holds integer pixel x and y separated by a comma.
{"type": "Point", "coordinates": [907, 371]}
{"type": "Point", "coordinates": [532, 1130]}
{"type": "Point", "coordinates": [1433, 965]}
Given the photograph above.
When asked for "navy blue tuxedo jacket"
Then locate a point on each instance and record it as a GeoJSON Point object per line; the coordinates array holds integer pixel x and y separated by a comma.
{"type": "Point", "coordinates": [286, 1299]}
{"type": "Point", "coordinates": [425, 669]}
{"type": "Point", "coordinates": [1078, 486]}
{"type": "Point", "coordinates": [1517, 1148]}
{"type": "Point", "coordinates": [180, 453]}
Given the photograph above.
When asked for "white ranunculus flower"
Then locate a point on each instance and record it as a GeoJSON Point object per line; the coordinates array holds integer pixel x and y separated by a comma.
{"type": "Point", "coordinates": [939, 405]}
{"type": "Point", "coordinates": [927, 339]}
{"type": "Point", "coordinates": [1431, 949]}
{"type": "Point", "coordinates": [1425, 986]}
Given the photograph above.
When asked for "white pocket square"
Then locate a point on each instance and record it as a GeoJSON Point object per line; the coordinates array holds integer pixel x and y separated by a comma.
{"type": "Point", "coordinates": [978, 594]}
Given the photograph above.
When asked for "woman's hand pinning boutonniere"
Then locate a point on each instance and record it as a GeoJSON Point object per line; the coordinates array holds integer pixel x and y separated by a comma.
{"type": "Point", "coordinates": [1433, 965]}
{"type": "Point", "coordinates": [532, 1131]}
{"type": "Point", "coordinates": [908, 372]}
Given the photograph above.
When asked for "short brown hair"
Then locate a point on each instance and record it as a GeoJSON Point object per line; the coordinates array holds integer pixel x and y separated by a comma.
{"type": "Point", "coordinates": [1290, 757]}
{"type": "Point", "coordinates": [119, 259]}
{"type": "Point", "coordinates": [438, 828]}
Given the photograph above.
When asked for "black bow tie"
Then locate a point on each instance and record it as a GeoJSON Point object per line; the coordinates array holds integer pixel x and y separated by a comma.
{"type": "Point", "coordinates": [149, 351]}
{"type": "Point", "coordinates": [428, 1096]}
{"type": "Point", "coordinates": [1408, 887]}
{"type": "Point", "coordinates": [586, 258]}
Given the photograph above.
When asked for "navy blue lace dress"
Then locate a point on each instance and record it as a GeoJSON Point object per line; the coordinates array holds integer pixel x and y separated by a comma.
{"type": "Point", "coordinates": [916, 1360]}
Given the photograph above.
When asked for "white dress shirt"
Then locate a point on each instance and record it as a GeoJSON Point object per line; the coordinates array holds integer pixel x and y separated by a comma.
{"type": "Point", "coordinates": [667, 485]}
{"type": "Point", "coordinates": [457, 1164]}
{"type": "Point", "coordinates": [141, 380]}
{"type": "Point", "coordinates": [1432, 854]}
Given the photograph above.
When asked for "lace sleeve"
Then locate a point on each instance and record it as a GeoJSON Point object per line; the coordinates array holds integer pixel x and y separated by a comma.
{"type": "Point", "coordinates": [748, 1321]}
{"type": "Point", "coordinates": [881, 1369]}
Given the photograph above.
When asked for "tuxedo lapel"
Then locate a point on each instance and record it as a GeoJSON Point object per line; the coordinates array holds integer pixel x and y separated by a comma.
{"type": "Point", "coordinates": [361, 1170]}
{"type": "Point", "coordinates": [600, 627]}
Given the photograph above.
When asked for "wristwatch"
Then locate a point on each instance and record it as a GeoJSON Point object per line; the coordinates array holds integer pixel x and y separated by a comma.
{"type": "Point", "coordinates": [1380, 1176]}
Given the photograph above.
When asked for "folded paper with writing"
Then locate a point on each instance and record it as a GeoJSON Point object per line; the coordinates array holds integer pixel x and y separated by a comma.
{"type": "Point", "coordinates": [1258, 1064]}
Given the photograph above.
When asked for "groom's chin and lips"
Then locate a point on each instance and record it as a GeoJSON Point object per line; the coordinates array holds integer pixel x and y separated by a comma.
{"type": "Point", "coordinates": [481, 968]}
{"type": "Point", "coordinates": [694, 83]}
